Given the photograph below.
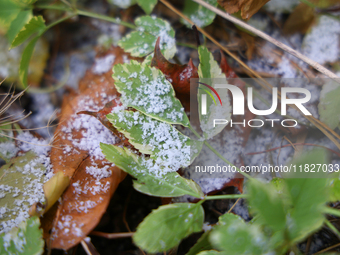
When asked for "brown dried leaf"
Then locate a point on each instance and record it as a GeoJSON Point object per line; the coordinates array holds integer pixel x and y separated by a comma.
{"type": "Point", "coordinates": [299, 20]}
{"type": "Point", "coordinates": [76, 153]}
{"type": "Point", "coordinates": [83, 204]}
{"type": "Point", "coordinates": [248, 7]}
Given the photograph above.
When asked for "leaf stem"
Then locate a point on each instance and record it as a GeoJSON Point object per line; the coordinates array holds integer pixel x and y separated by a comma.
{"type": "Point", "coordinates": [332, 227]}
{"type": "Point", "coordinates": [231, 196]}
{"type": "Point", "coordinates": [332, 211]}
{"type": "Point", "coordinates": [106, 18]}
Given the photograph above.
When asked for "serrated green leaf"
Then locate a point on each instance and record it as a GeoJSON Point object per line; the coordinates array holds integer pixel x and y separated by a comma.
{"type": "Point", "coordinates": [142, 42]}
{"type": "Point", "coordinates": [147, 5]}
{"type": "Point", "coordinates": [18, 23]}
{"type": "Point", "coordinates": [266, 204]}
{"type": "Point", "coordinates": [210, 73]}
{"type": "Point", "coordinates": [308, 197]}
{"type": "Point", "coordinates": [200, 15]}
{"type": "Point", "coordinates": [161, 141]}
{"type": "Point", "coordinates": [21, 185]}
{"type": "Point", "coordinates": [26, 239]}
{"type": "Point", "coordinates": [202, 244]}
{"type": "Point", "coordinates": [25, 60]}
{"type": "Point", "coordinates": [166, 226]}
{"type": "Point", "coordinates": [123, 4]}
{"type": "Point", "coordinates": [234, 236]}
{"type": "Point", "coordinates": [149, 178]}
{"type": "Point", "coordinates": [35, 25]}
{"type": "Point", "coordinates": [329, 105]}
{"type": "Point", "coordinates": [147, 90]}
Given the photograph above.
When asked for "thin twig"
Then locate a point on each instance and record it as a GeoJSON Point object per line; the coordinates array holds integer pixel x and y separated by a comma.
{"type": "Point", "coordinates": [259, 33]}
{"type": "Point", "coordinates": [328, 249]}
{"type": "Point", "coordinates": [234, 205]}
{"type": "Point", "coordinates": [112, 235]}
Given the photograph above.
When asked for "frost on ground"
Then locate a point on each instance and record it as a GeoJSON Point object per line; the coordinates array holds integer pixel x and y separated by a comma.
{"type": "Point", "coordinates": [321, 44]}
{"type": "Point", "coordinates": [22, 179]}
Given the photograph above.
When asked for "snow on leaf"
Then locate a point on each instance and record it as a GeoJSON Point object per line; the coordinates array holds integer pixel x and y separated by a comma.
{"type": "Point", "coordinates": [21, 186]}
{"type": "Point", "coordinates": [329, 105]}
{"type": "Point", "coordinates": [163, 142]}
{"type": "Point", "coordinates": [172, 223]}
{"type": "Point", "coordinates": [147, 90]}
{"type": "Point", "coordinates": [142, 42]}
{"type": "Point", "coordinates": [35, 25]}
{"type": "Point", "coordinates": [200, 15]}
{"type": "Point", "coordinates": [26, 239]}
{"type": "Point", "coordinates": [84, 202]}
{"type": "Point", "coordinates": [209, 73]}
{"type": "Point", "coordinates": [147, 5]}
{"type": "Point", "coordinates": [146, 172]}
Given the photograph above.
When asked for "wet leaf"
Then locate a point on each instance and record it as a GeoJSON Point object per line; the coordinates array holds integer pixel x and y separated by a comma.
{"type": "Point", "coordinates": [178, 75]}
{"type": "Point", "coordinates": [247, 7]}
{"type": "Point", "coordinates": [147, 90]}
{"type": "Point", "coordinates": [147, 5]}
{"type": "Point", "coordinates": [329, 104]}
{"type": "Point", "coordinates": [36, 25]}
{"type": "Point", "coordinates": [149, 181]}
{"type": "Point", "coordinates": [142, 42]}
{"type": "Point", "coordinates": [172, 223]}
{"type": "Point", "coordinates": [208, 70]}
{"type": "Point", "coordinates": [26, 239]}
{"type": "Point", "coordinates": [200, 15]}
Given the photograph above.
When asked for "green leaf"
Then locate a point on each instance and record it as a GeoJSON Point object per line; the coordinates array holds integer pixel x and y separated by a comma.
{"type": "Point", "coordinates": [210, 73]}
{"type": "Point", "coordinates": [142, 42]}
{"type": "Point", "coordinates": [35, 25]}
{"type": "Point", "coordinates": [166, 226]}
{"type": "Point", "coordinates": [21, 185]}
{"type": "Point", "coordinates": [308, 197]}
{"type": "Point", "coordinates": [329, 105]}
{"type": "Point", "coordinates": [160, 140]}
{"type": "Point", "coordinates": [200, 15]}
{"type": "Point", "coordinates": [266, 204]}
{"type": "Point", "coordinates": [26, 239]}
{"type": "Point", "coordinates": [123, 4]}
{"type": "Point", "coordinates": [25, 60]}
{"type": "Point", "coordinates": [202, 244]}
{"type": "Point", "coordinates": [234, 236]}
{"type": "Point", "coordinates": [18, 23]}
{"type": "Point", "coordinates": [147, 5]}
{"type": "Point", "coordinates": [334, 190]}
{"type": "Point", "coordinates": [211, 252]}
{"type": "Point", "coordinates": [147, 90]}
{"type": "Point", "coordinates": [149, 180]}
{"type": "Point", "coordinates": [9, 11]}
